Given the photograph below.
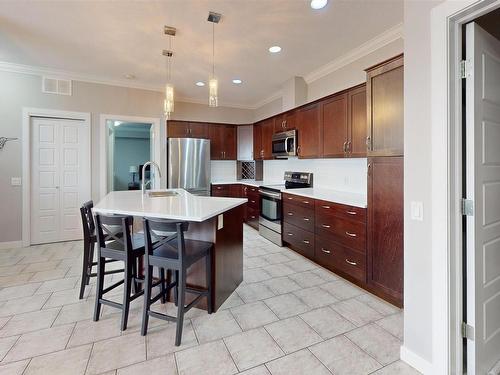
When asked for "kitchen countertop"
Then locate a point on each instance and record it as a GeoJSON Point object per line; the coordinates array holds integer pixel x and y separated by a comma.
{"type": "Point", "coordinates": [184, 206]}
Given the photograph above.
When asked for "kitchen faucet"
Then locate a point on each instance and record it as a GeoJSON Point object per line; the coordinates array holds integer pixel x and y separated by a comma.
{"type": "Point", "coordinates": [143, 184]}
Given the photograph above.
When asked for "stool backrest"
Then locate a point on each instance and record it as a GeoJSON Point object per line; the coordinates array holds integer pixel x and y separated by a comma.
{"type": "Point", "coordinates": [161, 232]}
{"type": "Point", "coordinates": [87, 220]}
{"type": "Point", "coordinates": [115, 228]}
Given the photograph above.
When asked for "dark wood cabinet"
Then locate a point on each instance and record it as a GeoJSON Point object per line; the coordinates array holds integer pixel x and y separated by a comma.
{"type": "Point", "coordinates": [252, 208]}
{"type": "Point", "coordinates": [186, 129]}
{"type": "Point", "coordinates": [257, 142]}
{"type": "Point", "coordinates": [308, 125]}
{"type": "Point", "coordinates": [222, 141]}
{"type": "Point", "coordinates": [356, 122]}
{"type": "Point", "coordinates": [384, 89]}
{"type": "Point", "coordinates": [334, 126]}
{"type": "Point", "coordinates": [284, 122]}
{"type": "Point", "coordinates": [267, 138]}
{"type": "Point", "coordinates": [385, 226]}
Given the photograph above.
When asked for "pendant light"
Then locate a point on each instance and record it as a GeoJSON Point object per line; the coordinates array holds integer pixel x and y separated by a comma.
{"type": "Point", "coordinates": [168, 102]}
{"type": "Point", "coordinates": [213, 84]}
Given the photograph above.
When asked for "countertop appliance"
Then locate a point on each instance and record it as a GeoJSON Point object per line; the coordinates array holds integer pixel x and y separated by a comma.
{"type": "Point", "coordinates": [284, 144]}
{"type": "Point", "coordinates": [188, 165]}
{"type": "Point", "coordinates": [270, 216]}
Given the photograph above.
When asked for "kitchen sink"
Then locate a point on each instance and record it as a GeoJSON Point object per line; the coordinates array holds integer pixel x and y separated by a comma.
{"type": "Point", "coordinates": [155, 194]}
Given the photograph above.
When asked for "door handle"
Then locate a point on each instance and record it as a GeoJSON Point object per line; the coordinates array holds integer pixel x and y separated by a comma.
{"type": "Point", "coordinates": [351, 234]}
{"type": "Point", "coordinates": [351, 263]}
{"type": "Point", "coordinates": [325, 250]}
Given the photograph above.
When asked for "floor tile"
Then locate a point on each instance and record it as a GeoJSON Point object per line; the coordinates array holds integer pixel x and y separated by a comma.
{"type": "Point", "coordinates": [40, 342]}
{"type": "Point", "coordinates": [49, 275]}
{"type": "Point", "coordinates": [255, 275]}
{"type": "Point", "coordinates": [10, 260]}
{"type": "Point", "coordinates": [88, 331]}
{"type": "Point", "coordinates": [327, 323]}
{"type": "Point", "coordinates": [325, 274]}
{"type": "Point", "coordinates": [232, 301]}
{"type": "Point", "coordinates": [397, 368]}
{"type": "Point", "coordinates": [42, 266]}
{"type": "Point", "coordinates": [356, 312]}
{"type": "Point", "coordinates": [252, 348]}
{"type": "Point", "coordinates": [282, 285]}
{"type": "Point", "coordinates": [76, 312]}
{"type": "Point", "coordinates": [71, 361]}
{"type": "Point", "coordinates": [116, 352]}
{"type": "Point", "coordinates": [307, 279]}
{"type": "Point", "coordinates": [342, 357]}
{"type": "Point", "coordinates": [286, 305]}
{"type": "Point", "coordinates": [28, 322]}
{"type": "Point", "coordinates": [3, 321]}
{"type": "Point", "coordinates": [66, 297]}
{"type": "Point", "coordinates": [298, 363]}
{"type": "Point", "coordinates": [255, 262]}
{"type": "Point", "coordinates": [377, 342]}
{"type": "Point", "coordinates": [215, 326]}
{"type": "Point", "coordinates": [301, 265]}
{"type": "Point", "coordinates": [14, 368]}
{"type": "Point", "coordinates": [393, 324]}
{"type": "Point", "coordinates": [11, 270]}
{"type": "Point", "coordinates": [18, 291]}
{"type": "Point", "coordinates": [292, 334]}
{"type": "Point", "coordinates": [253, 315]}
{"type": "Point", "coordinates": [158, 366]}
{"type": "Point", "coordinates": [23, 305]}
{"type": "Point", "coordinates": [342, 289]}
{"type": "Point", "coordinates": [254, 292]}
{"type": "Point", "coordinates": [58, 284]}
{"type": "Point", "coordinates": [210, 358]}
{"type": "Point", "coordinates": [383, 307]}
{"type": "Point", "coordinates": [160, 341]}
{"type": "Point", "coordinates": [276, 258]}
{"type": "Point", "coordinates": [259, 370]}
{"type": "Point", "coordinates": [315, 297]}
{"type": "Point", "coordinates": [6, 344]}
{"type": "Point", "coordinates": [278, 270]}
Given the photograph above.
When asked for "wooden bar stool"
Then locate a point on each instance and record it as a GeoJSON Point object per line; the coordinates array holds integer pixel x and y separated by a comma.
{"type": "Point", "coordinates": [167, 249]}
{"type": "Point", "coordinates": [116, 242]}
{"type": "Point", "coordinates": [89, 241]}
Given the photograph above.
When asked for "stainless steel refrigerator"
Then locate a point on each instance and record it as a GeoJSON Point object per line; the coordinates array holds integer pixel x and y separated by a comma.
{"type": "Point", "coordinates": [188, 165]}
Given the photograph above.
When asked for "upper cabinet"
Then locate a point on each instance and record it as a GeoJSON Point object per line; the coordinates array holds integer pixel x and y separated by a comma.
{"type": "Point", "coordinates": [334, 126]}
{"type": "Point", "coordinates": [222, 141]}
{"type": "Point", "coordinates": [245, 142]}
{"type": "Point", "coordinates": [308, 126]}
{"type": "Point", "coordinates": [262, 139]}
{"type": "Point", "coordinates": [284, 122]}
{"type": "Point", "coordinates": [186, 129]}
{"type": "Point", "coordinates": [356, 120]}
{"type": "Point", "coordinates": [257, 142]}
{"type": "Point", "coordinates": [384, 89]}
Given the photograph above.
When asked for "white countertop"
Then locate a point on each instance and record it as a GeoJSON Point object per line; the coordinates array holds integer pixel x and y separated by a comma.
{"type": "Point", "coordinates": [184, 206]}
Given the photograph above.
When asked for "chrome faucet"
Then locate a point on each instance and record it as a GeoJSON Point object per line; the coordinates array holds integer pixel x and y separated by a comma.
{"type": "Point", "coordinates": [143, 184]}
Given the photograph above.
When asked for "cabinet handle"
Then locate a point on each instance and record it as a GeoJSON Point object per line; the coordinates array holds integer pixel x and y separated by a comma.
{"type": "Point", "coordinates": [290, 213]}
{"type": "Point", "coordinates": [298, 150]}
{"type": "Point", "coordinates": [326, 207]}
{"type": "Point", "coordinates": [305, 202]}
{"type": "Point", "coordinates": [344, 147]}
{"type": "Point", "coordinates": [351, 263]}
{"type": "Point", "coordinates": [306, 219]}
{"type": "Point", "coordinates": [368, 169]}
{"type": "Point", "coordinates": [219, 187]}
{"type": "Point", "coordinates": [290, 198]}
{"type": "Point", "coordinates": [368, 142]}
{"type": "Point", "coordinates": [306, 242]}
{"type": "Point", "coordinates": [253, 217]}
{"type": "Point", "coordinates": [351, 212]}
{"type": "Point", "coordinates": [325, 225]}
{"type": "Point", "coordinates": [351, 234]}
{"type": "Point", "coordinates": [349, 147]}
{"type": "Point", "coordinates": [290, 234]}
{"type": "Point", "coordinates": [325, 250]}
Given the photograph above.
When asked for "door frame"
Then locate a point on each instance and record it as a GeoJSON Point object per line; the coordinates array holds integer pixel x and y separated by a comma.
{"type": "Point", "coordinates": [28, 114]}
{"type": "Point", "coordinates": [447, 20]}
{"type": "Point", "coordinates": [103, 146]}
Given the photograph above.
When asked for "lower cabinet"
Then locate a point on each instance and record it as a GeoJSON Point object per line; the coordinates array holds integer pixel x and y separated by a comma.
{"type": "Point", "coordinates": [241, 191]}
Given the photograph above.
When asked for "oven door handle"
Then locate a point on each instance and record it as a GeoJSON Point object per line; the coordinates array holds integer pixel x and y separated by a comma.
{"type": "Point", "coordinates": [270, 194]}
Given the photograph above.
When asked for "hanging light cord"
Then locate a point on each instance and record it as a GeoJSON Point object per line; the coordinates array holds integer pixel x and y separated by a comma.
{"type": "Point", "coordinates": [213, 49]}
{"type": "Point", "coordinates": [169, 61]}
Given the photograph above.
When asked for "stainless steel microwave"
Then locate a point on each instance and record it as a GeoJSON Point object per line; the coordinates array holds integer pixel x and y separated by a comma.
{"type": "Point", "coordinates": [285, 144]}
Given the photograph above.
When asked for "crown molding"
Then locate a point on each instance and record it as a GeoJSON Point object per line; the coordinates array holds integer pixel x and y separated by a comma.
{"type": "Point", "coordinates": [278, 94]}
{"type": "Point", "coordinates": [221, 103]}
{"type": "Point", "coordinates": [381, 40]}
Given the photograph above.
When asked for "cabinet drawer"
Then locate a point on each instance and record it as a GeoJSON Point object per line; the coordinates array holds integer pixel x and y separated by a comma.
{"type": "Point", "coordinates": [341, 210]}
{"type": "Point", "coordinates": [298, 200]}
{"type": "Point", "coordinates": [300, 216]}
{"type": "Point", "coordinates": [252, 189]}
{"type": "Point", "coordinates": [220, 190]}
{"type": "Point", "coordinates": [301, 240]}
{"type": "Point", "coordinates": [346, 232]}
{"type": "Point", "coordinates": [253, 201]}
{"type": "Point", "coordinates": [337, 257]}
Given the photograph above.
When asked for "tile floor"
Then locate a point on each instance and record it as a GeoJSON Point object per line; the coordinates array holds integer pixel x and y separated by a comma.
{"type": "Point", "coordinates": [288, 317]}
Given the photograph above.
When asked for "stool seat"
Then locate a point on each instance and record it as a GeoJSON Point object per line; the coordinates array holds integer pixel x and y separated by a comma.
{"type": "Point", "coordinates": [137, 241]}
{"type": "Point", "coordinates": [194, 251]}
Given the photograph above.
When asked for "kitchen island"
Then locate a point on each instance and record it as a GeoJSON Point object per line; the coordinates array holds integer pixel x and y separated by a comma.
{"type": "Point", "coordinates": [217, 220]}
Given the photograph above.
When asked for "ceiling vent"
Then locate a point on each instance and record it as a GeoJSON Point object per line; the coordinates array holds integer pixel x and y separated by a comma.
{"type": "Point", "coordinates": [52, 85]}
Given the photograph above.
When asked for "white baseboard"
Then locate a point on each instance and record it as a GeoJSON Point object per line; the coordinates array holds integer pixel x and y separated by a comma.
{"type": "Point", "coordinates": [11, 244]}
{"type": "Point", "coordinates": [415, 361]}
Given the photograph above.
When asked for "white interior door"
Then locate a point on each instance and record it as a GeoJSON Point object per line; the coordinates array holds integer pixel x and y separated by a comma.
{"type": "Point", "coordinates": [60, 180]}
{"type": "Point", "coordinates": [483, 187]}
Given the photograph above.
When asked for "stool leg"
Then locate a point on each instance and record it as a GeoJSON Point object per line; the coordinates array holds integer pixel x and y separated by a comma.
{"type": "Point", "coordinates": [147, 299]}
{"type": "Point", "coordinates": [208, 272]}
{"type": "Point", "coordinates": [135, 284]}
{"type": "Point", "coordinates": [181, 279]}
{"type": "Point", "coordinates": [126, 293]}
{"type": "Point", "coordinates": [176, 289]}
{"type": "Point", "coordinates": [85, 269]}
{"type": "Point", "coordinates": [90, 261]}
{"type": "Point", "coordinates": [162, 286]}
{"type": "Point", "coordinates": [99, 287]}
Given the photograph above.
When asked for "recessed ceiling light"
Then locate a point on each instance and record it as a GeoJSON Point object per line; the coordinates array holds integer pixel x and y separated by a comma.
{"type": "Point", "coordinates": [274, 49]}
{"type": "Point", "coordinates": [237, 81]}
{"type": "Point", "coordinates": [200, 84]}
{"type": "Point", "coordinates": [318, 4]}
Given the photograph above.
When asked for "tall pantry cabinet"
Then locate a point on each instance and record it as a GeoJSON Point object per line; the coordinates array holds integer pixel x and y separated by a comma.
{"type": "Point", "coordinates": [384, 90]}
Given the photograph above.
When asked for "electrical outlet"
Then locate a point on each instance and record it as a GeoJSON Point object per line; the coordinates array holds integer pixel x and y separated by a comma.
{"type": "Point", "coordinates": [417, 210]}
{"type": "Point", "coordinates": [15, 181]}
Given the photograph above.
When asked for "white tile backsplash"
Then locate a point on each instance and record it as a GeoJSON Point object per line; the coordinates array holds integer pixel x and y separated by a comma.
{"type": "Point", "coordinates": [338, 174]}
{"type": "Point", "coordinates": [223, 170]}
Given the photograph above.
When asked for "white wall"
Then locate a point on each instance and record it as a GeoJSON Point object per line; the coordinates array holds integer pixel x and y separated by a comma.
{"type": "Point", "coordinates": [269, 109]}
{"type": "Point", "coordinates": [202, 112]}
{"type": "Point", "coordinates": [223, 170]}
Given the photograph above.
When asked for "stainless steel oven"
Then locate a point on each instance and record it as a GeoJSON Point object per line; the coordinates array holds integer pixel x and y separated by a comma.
{"type": "Point", "coordinates": [284, 144]}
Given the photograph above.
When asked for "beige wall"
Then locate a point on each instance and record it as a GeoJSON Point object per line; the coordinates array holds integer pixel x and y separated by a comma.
{"type": "Point", "coordinates": [21, 90]}
{"type": "Point", "coordinates": [269, 109]}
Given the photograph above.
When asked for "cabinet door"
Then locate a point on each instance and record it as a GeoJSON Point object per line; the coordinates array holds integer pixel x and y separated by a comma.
{"type": "Point", "coordinates": [385, 226]}
{"type": "Point", "coordinates": [229, 143]}
{"type": "Point", "coordinates": [235, 191]}
{"type": "Point", "coordinates": [308, 125]}
{"type": "Point", "coordinates": [177, 129]}
{"type": "Point", "coordinates": [290, 121]}
{"type": "Point", "coordinates": [357, 122]}
{"type": "Point", "coordinates": [216, 135]}
{"type": "Point", "coordinates": [267, 138]}
{"type": "Point", "coordinates": [198, 130]}
{"type": "Point", "coordinates": [257, 142]}
{"type": "Point", "coordinates": [279, 123]}
{"type": "Point", "coordinates": [244, 142]}
{"type": "Point", "coordinates": [385, 109]}
{"type": "Point", "coordinates": [334, 122]}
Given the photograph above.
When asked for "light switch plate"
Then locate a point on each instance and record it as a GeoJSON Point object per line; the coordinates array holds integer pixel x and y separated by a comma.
{"type": "Point", "coordinates": [220, 222]}
{"type": "Point", "coordinates": [15, 181]}
{"type": "Point", "coordinates": [417, 210]}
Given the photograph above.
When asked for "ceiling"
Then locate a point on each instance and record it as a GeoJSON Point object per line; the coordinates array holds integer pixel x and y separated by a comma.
{"type": "Point", "coordinates": [106, 40]}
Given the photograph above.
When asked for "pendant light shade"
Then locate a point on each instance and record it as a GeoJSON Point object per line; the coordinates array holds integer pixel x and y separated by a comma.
{"type": "Point", "coordinates": [213, 87]}
{"type": "Point", "coordinates": [168, 104]}
{"type": "Point", "coordinates": [213, 84]}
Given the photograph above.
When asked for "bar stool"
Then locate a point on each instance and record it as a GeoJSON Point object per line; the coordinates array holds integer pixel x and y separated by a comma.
{"type": "Point", "coordinates": [116, 242]}
{"type": "Point", "coordinates": [89, 241]}
{"type": "Point", "coordinates": [167, 249]}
